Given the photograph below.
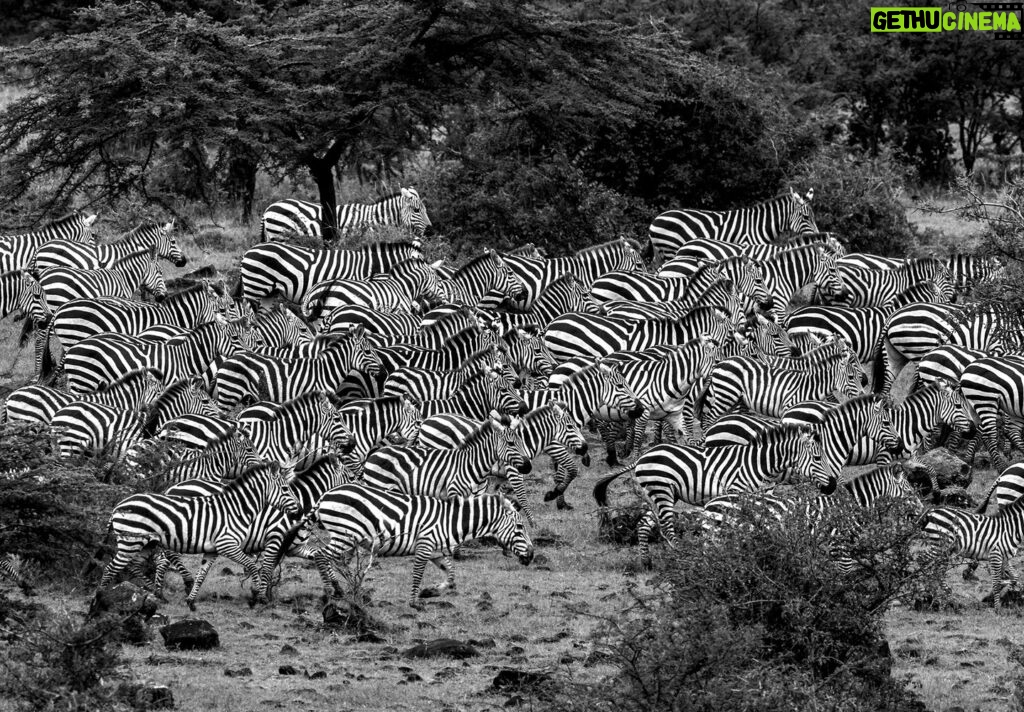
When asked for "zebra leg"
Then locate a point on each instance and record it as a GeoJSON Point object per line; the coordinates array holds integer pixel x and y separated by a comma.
{"type": "Point", "coordinates": [609, 435]}
{"type": "Point", "coordinates": [638, 433]}
{"type": "Point", "coordinates": [204, 569]}
{"type": "Point", "coordinates": [989, 417]}
{"type": "Point", "coordinates": [324, 560]}
{"type": "Point", "coordinates": [648, 523]}
{"type": "Point", "coordinates": [164, 560]}
{"type": "Point", "coordinates": [122, 557]}
{"type": "Point", "coordinates": [566, 471]}
{"type": "Point", "coordinates": [996, 567]}
{"type": "Point", "coordinates": [515, 479]}
{"type": "Point", "coordinates": [424, 553]}
{"type": "Point", "coordinates": [969, 570]}
{"type": "Point", "coordinates": [445, 564]}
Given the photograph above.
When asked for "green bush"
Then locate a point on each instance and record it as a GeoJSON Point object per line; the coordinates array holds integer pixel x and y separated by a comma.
{"type": "Point", "coordinates": [857, 198]}
{"type": "Point", "coordinates": [759, 617]}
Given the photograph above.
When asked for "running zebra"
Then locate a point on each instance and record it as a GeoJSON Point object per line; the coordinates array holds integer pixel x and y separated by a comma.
{"type": "Point", "coordinates": [213, 526]}
{"type": "Point", "coordinates": [404, 208]}
{"type": "Point", "coordinates": [668, 474]}
{"type": "Point", "coordinates": [98, 360]}
{"type": "Point", "coordinates": [403, 287]}
{"type": "Point", "coordinates": [290, 271]}
{"type": "Point", "coordinates": [460, 471]}
{"type": "Point", "coordinates": [248, 377]}
{"type": "Point", "coordinates": [16, 251]}
{"type": "Point", "coordinates": [977, 536]}
{"type": "Point", "coordinates": [759, 224]}
{"type": "Point", "coordinates": [82, 318]}
{"type": "Point", "coordinates": [77, 255]}
{"type": "Point", "coordinates": [38, 404]}
{"type": "Point", "coordinates": [390, 523]}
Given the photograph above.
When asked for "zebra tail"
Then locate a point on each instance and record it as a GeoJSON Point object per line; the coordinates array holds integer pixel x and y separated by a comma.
{"type": "Point", "coordinates": [289, 538]}
{"type": "Point", "coordinates": [47, 366]}
{"type": "Point", "coordinates": [601, 488]}
{"type": "Point", "coordinates": [878, 365]}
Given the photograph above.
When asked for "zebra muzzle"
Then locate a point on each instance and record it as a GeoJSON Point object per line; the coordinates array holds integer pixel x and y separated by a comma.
{"type": "Point", "coordinates": [526, 558]}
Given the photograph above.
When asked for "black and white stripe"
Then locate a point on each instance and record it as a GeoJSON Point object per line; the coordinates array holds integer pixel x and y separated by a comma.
{"type": "Point", "coordinates": [402, 288]}
{"type": "Point", "coordinates": [16, 251]}
{"type": "Point", "coordinates": [404, 208]}
{"type": "Point", "coordinates": [147, 236]}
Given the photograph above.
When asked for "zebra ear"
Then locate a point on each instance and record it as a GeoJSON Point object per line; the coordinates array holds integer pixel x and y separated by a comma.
{"type": "Point", "coordinates": [810, 195]}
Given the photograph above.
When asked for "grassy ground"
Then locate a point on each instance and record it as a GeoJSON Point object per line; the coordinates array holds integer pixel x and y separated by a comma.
{"type": "Point", "coordinates": [542, 617]}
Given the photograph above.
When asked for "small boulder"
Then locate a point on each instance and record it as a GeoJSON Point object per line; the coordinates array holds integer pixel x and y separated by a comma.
{"type": "Point", "coordinates": [190, 634]}
{"type": "Point", "coordinates": [511, 679]}
{"type": "Point", "coordinates": [442, 646]}
{"type": "Point", "coordinates": [141, 696]}
{"type": "Point", "coordinates": [287, 670]}
{"type": "Point", "coordinates": [238, 671]}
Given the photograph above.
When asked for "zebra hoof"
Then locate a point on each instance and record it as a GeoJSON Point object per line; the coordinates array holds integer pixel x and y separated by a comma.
{"type": "Point", "coordinates": [429, 593]}
{"type": "Point", "coordinates": [612, 459]}
{"type": "Point", "coordinates": [191, 605]}
{"type": "Point", "coordinates": [970, 576]}
{"type": "Point", "coordinates": [548, 496]}
{"type": "Point", "coordinates": [562, 504]}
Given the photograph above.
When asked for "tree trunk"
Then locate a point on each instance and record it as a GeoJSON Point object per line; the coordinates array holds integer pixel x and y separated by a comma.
{"type": "Point", "coordinates": [323, 175]}
{"type": "Point", "coordinates": [240, 181]}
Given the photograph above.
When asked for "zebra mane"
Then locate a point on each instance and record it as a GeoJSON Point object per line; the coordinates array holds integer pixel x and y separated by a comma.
{"type": "Point", "coordinates": [477, 436]}
{"type": "Point", "coordinates": [460, 313]}
{"type": "Point", "coordinates": [602, 248]}
{"type": "Point", "coordinates": [800, 249]}
{"type": "Point", "coordinates": [473, 263]}
{"type": "Point", "coordinates": [704, 265]}
{"type": "Point", "coordinates": [476, 356]}
{"type": "Point", "coordinates": [221, 437]}
{"type": "Point", "coordinates": [127, 377]}
{"type": "Point", "coordinates": [9, 274]}
{"type": "Point", "coordinates": [584, 373]}
{"type": "Point", "coordinates": [187, 291]}
{"type": "Point", "coordinates": [912, 294]}
{"type": "Point", "coordinates": [811, 238]}
{"type": "Point", "coordinates": [151, 251]}
{"type": "Point", "coordinates": [140, 229]}
{"type": "Point", "coordinates": [566, 279]}
{"type": "Point", "coordinates": [853, 404]}
{"type": "Point", "coordinates": [154, 409]}
{"type": "Point", "coordinates": [776, 433]}
{"type": "Point", "coordinates": [923, 392]}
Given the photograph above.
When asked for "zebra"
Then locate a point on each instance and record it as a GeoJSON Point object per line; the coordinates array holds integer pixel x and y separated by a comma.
{"type": "Point", "coordinates": [424, 383]}
{"type": "Point", "coordinates": [632, 286]}
{"type": "Point", "coordinates": [446, 356]}
{"type": "Point", "coordinates": [77, 255]}
{"type": "Point", "coordinates": [85, 427]}
{"type": "Point", "coordinates": [483, 392]}
{"type": "Point", "coordinates": [871, 287]}
{"type": "Point", "coordinates": [527, 353]}
{"type": "Point", "coordinates": [596, 335]}
{"type": "Point", "coordinates": [586, 265]}
{"type": "Point", "coordinates": [914, 419]}
{"type": "Point", "coordinates": [280, 326]}
{"type": "Point", "coordinates": [82, 318]}
{"type": "Point", "coordinates": [770, 390]}
{"type": "Point", "coordinates": [98, 359]}
{"type": "Point", "coordinates": [213, 526]}
{"type": "Point", "coordinates": [746, 274]}
{"type": "Point", "coordinates": [787, 272]}
{"type": "Point", "coordinates": [450, 472]}
{"type": "Point", "coordinates": [992, 386]}
{"type": "Point", "coordinates": [716, 250]}
{"type": "Point", "coordinates": [404, 208]}
{"type": "Point", "coordinates": [38, 404]}
{"type": "Point", "coordinates": [758, 224]}
{"type": "Point", "coordinates": [562, 296]}
{"type": "Point", "coordinates": [19, 291]}
{"type": "Point", "coordinates": [391, 523]}
{"type": "Point", "coordinates": [401, 288]}
{"type": "Point", "coordinates": [381, 325]}
{"type": "Point", "coordinates": [486, 274]}
{"type": "Point", "coordinates": [249, 376]}
{"type": "Point", "coordinates": [670, 473]}
{"type": "Point", "coordinates": [123, 278]}
{"type": "Point", "coordinates": [290, 271]}
{"type": "Point", "coordinates": [842, 427]}
{"type": "Point", "coordinates": [276, 430]}
{"type": "Point", "coordinates": [16, 251]}
{"type": "Point", "coordinates": [271, 524]}
{"type": "Point", "coordinates": [13, 569]}
{"type": "Point", "coordinates": [967, 271]}
{"type": "Point", "coordinates": [373, 421]}
{"type": "Point", "coordinates": [222, 458]}
{"type": "Point", "coordinates": [914, 330]}
{"type": "Point", "coordinates": [975, 536]}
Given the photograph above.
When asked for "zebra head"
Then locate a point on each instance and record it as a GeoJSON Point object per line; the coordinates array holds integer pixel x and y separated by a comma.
{"type": "Point", "coordinates": [809, 463]}
{"type": "Point", "coordinates": [801, 218]}
{"type": "Point", "coordinates": [504, 280]}
{"type": "Point", "coordinates": [153, 280]}
{"type": "Point", "coordinates": [878, 424]}
{"type": "Point", "coordinates": [334, 428]}
{"type": "Point", "coordinates": [709, 352]}
{"type": "Point", "coordinates": [568, 431]}
{"type": "Point", "coordinates": [952, 408]}
{"type": "Point", "coordinates": [279, 494]}
{"type": "Point", "coordinates": [414, 212]}
{"type": "Point", "coordinates": [409, 421]}
{"type": "Point", "coordinates": [241, 335]}
{"type": "Point", "coordinates": [508, 444]}
{"type": "Point", "coordinates": [771, 339]}
{"type": "Point", "coordinates": [423, 281]}
{"type": "Point", "coordinates": [630, 259]}
{"type": "Point", "coordinates": [853, 376]}
{"type": "Point", "coordinates": [618, 393]}
{"type": "Point", "coordinates": [167, 245]}
{"type": "Point", "coordinates": [364, 356]}
{"type": "Point", "coordinates": [826, 274]}
{"type": "Point", "coordinates": [506, 525]}
{"type": "Point", "coordinates": [502, 396]}
{"type": "Point", "coordinates": [527, 351]}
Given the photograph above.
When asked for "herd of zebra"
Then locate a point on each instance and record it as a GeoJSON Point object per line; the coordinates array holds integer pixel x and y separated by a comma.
{"type": "Point", "coordinates": [377, 397]}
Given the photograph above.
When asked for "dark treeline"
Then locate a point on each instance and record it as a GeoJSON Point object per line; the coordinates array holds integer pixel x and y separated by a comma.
{"type": "Point", "coordinates": [553, 122]}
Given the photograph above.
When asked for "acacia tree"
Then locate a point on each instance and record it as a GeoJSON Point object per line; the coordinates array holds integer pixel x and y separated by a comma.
{"type": "Point", "coordinates": [310, 88]}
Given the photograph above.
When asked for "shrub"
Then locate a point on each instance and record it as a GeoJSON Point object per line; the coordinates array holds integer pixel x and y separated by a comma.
{"type": "Point", "coordinates": [759, 617]}
{"type": "Point", "coordinates": [856, 197]}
